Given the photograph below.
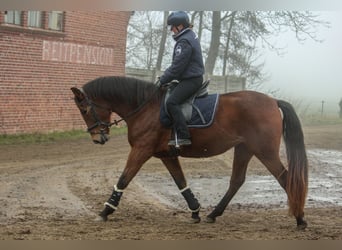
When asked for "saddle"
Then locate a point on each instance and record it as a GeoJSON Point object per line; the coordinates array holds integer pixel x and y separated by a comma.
{"type": "Point", "coordinates": [198, 110]}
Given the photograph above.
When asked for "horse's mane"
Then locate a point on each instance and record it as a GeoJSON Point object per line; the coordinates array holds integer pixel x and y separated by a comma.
{"type": "Point", "coordinates": [121, 89]}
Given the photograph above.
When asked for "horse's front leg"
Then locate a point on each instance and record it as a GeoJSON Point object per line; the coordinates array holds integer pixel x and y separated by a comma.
{"type": "Point", "coordinates": [137, 157]}
{"type": "Point", "coordinates": [175, 169]}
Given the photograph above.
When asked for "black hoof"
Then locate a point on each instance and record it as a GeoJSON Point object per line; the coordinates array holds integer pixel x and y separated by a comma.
{"type": "Point", "coordinates": [103, 215]}
{"type": "Point", "coordinates": [302, 225]}
{"type": "Point", "coordinates": [105, 212]}
{"type": "Point", "coordinates": [195, 218]}
{"type": "Point", "coordinates": [101, 218]}
{"type": "Point", "coordinates": [210, 219]}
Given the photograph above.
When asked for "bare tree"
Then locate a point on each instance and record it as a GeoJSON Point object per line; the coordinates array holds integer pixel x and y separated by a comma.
{"type": "Point", "coordinates": [215, 42]}
{"type": "Point", "coordinates": [243, 30]}
{"type": "Point", "coordinates": [198, 15]}
{"type": "Point", "coordinates": [143, 39]}
{"type": "Point", "coordinates": [230, 40]}
{"type": "Point", "coordinates": [162, 43]}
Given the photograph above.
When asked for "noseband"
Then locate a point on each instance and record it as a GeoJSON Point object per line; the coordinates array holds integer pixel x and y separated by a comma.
{"type": "Point", "coordinates": [98, 122]}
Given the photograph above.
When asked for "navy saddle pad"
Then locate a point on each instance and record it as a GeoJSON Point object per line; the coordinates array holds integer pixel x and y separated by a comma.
{"type": "Point", "coordinates": [202, 115]}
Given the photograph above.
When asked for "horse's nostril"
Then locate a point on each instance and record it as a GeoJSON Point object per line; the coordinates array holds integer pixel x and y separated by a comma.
{"type": "Point", "coordinates": [99, 142]}
{"type": "Point", "coordinates": [96, 141]}
{"type": "Point", "coordinates": [102, 141]}
{"type": "Point", "coordinates": [106, 137]}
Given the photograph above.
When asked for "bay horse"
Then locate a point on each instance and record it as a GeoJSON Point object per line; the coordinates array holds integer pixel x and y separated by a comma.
{"type": "Point", "coordinates": [250, 122]}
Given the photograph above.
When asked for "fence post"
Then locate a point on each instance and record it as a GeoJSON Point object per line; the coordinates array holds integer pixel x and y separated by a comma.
{"type": "Point", "coordinates": [226, 83]}
{"type": "Point", "coordinates": [322, 108]}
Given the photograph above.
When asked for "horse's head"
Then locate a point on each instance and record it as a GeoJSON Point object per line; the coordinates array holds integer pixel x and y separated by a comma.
{"type": "Point", "coordinates": [95, 115]}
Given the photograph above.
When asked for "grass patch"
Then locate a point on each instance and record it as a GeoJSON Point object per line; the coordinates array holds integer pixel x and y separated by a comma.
{"type": "Point", "coordinates": [315, 120]}
{"type": "Point", "coordinates": [52, 137]}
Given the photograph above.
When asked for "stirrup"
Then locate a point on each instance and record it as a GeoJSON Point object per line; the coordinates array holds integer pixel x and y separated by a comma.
{"type": "Point", "coordinates": [179, 142]}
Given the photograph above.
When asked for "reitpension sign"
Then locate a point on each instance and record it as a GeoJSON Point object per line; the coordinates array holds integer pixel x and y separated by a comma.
{"type": "Point", "coordinates": [77, 53]}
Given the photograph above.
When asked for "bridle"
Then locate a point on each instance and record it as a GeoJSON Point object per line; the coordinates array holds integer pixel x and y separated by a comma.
{"type": "Point", "coordinates": [98, 122]}
{"type": "Point", "coordinates": [90, 107]}
{"type": "Point", "coordinates": [107, 125]}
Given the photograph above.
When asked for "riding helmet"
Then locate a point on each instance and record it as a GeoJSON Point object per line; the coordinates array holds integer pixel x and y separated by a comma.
{"type": "Point", "coordinates": [177, 18]}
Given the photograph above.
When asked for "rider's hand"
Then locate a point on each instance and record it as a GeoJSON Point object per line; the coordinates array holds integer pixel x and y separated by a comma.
{"type": "Point", "coordinates": [157, 82]}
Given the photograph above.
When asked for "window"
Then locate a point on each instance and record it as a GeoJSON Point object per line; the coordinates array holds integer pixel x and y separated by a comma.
{"type": "Point", "coordinates": [13, 17]}
{"type": "Point", "coordinates": [49, 22]}
{"type": "Point", "coordinates": [56, 20]}
{"type": "Point", "coordinates": [34, 19]}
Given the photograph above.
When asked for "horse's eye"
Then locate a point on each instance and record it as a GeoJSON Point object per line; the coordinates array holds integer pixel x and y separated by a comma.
{"type": "Point", "coordinates": [84, 109]}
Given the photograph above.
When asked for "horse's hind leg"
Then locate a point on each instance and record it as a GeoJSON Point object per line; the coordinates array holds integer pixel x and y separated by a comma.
{"type": "Point", "coordinates": [174, 167]}
{"type": "Point", "coordinates": [277, 169]}
{"type": "Point", "coordinates": [241, 159]}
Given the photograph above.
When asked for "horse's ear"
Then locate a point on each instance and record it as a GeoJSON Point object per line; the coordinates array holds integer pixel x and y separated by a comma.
{"type": "Point", "coordinates": [78, 93]}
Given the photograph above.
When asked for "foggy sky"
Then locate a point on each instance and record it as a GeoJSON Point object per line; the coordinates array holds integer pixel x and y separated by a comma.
{"type": "Point", "coordinates": [312, 70]}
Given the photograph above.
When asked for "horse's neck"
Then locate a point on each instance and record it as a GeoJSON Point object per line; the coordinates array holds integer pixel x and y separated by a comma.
{"type": "Point", "coordinates": [122, 109]}
{"type": "Point", "coordinates": [148, 108]}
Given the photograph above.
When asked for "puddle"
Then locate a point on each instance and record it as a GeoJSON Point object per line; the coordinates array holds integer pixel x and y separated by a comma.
{"type": "Point", "coordinates": [325, 186]}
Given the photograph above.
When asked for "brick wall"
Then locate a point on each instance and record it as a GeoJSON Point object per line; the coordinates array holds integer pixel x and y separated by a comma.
{"type": "Point", "coordinates": [38, 67]}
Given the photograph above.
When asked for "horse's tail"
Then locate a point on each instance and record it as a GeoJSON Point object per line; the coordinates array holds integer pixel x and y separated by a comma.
{"type": "Point", "coordinates": [297, 178]}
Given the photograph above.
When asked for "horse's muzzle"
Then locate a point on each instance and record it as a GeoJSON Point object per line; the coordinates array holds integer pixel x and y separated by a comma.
{"type": "Point", "coordinates": [100, 138]}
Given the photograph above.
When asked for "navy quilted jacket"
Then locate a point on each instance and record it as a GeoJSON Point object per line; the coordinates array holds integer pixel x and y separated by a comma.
{"type": "Point", "coordinates": [187, 60]}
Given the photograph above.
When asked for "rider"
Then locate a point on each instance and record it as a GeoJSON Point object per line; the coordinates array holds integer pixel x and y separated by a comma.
{"type": "Point", "coordinates": [187, 67]}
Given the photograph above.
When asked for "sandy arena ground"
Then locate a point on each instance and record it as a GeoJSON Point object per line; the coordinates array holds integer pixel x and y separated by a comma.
{"type": "Point", "coordinates": [55, 190]}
